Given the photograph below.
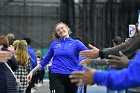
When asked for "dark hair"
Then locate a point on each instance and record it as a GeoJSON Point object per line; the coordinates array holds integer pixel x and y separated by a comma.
{"type": "Point", "coordinates": [117, 40]}
{"type": "Point", "coordinates": [28, 40]}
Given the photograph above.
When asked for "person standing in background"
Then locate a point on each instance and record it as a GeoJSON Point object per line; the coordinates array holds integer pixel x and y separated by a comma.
{"type": "Point", "coordinates": [41, 71]}
{"type": "Point", "coordinates": [15, 44]}
{"type": "Point", "coordinates": [22, 59]}
{"type": "Point", "coordinates": [82, 88]}
{"type": "Point", "coordinates": [7, 79]}
{"type": "Point", "coordinates": [11, 38]}
{"type": "Point", "coordinates": [116, 41]}
{"type": "Point", "coordinates": [65, 53]}
{"type": "Point", "coordinates": [33, 63]}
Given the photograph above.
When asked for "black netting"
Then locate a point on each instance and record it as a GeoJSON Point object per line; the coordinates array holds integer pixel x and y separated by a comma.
{"type": "Point", "coordinates": [95, 21]}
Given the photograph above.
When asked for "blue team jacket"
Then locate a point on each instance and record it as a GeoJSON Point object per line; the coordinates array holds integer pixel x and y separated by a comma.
{"type": "Point", "coordinates": [33, 59]}
{"type": "Point", "coordinates": [65, 55]}
{"type": "Point", "coordinates": [121, 79]}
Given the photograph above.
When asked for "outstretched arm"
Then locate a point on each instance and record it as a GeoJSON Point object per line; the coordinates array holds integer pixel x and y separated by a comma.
{"type": "Point", "coordinates": [129, 48]}
{"type": "Point", "coordinates": [115, 79]}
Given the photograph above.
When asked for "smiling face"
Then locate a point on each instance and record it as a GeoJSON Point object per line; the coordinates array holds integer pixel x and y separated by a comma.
{"type": "Point", "coordinates": [61, 30]}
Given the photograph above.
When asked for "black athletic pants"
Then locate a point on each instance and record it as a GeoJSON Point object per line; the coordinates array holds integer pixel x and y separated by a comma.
{"type": "Point", "coordinates": [61, 83]}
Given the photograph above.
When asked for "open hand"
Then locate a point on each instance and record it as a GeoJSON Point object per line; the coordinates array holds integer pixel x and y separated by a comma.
{"type": "Point", "coordinates": [29, 76]}
{"type": "Point", "coordinates": [118, 61]}
{"type": "Point", "coordinates": [86, 77]}
{"type": "Point", "coordinates": [93, 53]}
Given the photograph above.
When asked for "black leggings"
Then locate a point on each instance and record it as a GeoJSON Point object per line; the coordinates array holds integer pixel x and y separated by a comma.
{"type": "Point", "coordinates": [61, 83]}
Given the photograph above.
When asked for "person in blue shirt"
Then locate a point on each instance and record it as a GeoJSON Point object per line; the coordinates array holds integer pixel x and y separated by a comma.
{"type": "Point", "coordinates": [65, 53]}
{"type": "Point", "coordinates": [32, 64]}
{"type": "Point", "coordinates": [41, 74]}
{"type": "Point", "coordinates": [41, 71]}
{"type": "Point", "coordinates": [31, 53]}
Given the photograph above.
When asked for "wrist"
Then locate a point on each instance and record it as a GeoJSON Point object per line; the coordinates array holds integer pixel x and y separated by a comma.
{"type": "Point", "coordinates": [32, 72]}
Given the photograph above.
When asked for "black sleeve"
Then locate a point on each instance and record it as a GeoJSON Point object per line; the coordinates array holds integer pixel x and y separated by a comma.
{"type": "Point", "coordinates": [129, 48]}
{"type": "Point", "coordinates": [13, 63]}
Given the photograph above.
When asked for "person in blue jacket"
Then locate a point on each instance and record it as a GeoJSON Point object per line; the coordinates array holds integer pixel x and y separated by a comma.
{"type": "Point", "coordinates": [32, 64]}
{"type": "Point", "coordinates": [117, 79]}
{"type": "Point", "coordinates": [41, 74]}
{"type": "Point", "coordinates": [65, 53]}
{"type": "Point", "coordinates": [31, 53]}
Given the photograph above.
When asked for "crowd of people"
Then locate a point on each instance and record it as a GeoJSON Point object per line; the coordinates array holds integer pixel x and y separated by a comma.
{"type": "Point", "coordinates": [69, 58]}
{"type": "Point", "coordinates": [118, 56]}
{"type": "Point", "coordinates": [21, 59]}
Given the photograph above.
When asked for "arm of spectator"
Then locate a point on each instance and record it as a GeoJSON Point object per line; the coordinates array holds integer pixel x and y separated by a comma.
{"type": "Point", "coordinates": [129, 48]}
{"type": "Point", "coordinates": [115, 80]}
{"type": "Point", "coordinates": [5, 55]}
{"type": "Point", "coordinates": [121, 61]}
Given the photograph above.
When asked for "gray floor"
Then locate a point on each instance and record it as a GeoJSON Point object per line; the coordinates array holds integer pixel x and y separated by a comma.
{"type": "Point", "coordinates": [43, 88]}
{"type": "Point", "coordinates": [90, 89]}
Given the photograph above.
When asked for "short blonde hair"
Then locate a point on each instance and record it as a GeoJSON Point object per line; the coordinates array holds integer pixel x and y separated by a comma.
{"type": "Point", "coordinates": [55, 36]}
{"type": "Point", "coordinates": [38, 53]}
